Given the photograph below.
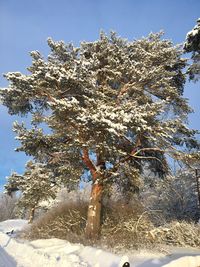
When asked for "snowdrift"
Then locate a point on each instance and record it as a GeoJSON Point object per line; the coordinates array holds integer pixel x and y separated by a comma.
{"type": "Point", "coordinates": [56, 252]}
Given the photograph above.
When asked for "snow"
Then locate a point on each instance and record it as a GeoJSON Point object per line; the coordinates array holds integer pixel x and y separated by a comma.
{"type": "Point", "coordinates": [185, 261]}
{"type": "Point", "coordinates": [15, 252]}
{"type": "Point", "coordinates": [192, 32]}
{"type": "Point", "coordinates": [10, 225]}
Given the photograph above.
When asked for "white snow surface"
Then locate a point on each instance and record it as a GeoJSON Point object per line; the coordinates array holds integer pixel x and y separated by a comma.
{"type": "Point", "coordinates": [10, 225]}
{"type": "Point", "coordinates": [54, 252]}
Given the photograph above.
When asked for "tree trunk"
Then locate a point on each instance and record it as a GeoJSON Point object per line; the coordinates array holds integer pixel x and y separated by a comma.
{"type": "Point", "coordinates": [94, 212]}
{"type": "Point", "coordinates": [93, 224]}
{"type": "Point", "coordinates": [31, 215]}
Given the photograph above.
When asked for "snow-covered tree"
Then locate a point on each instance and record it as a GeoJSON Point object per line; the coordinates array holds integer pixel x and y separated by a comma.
{"type": "Point", "coordinates": [8, 207]}
{"type": "Point", "coordinates": [111, 105]}
{"type": "Point", "coordinates": [192, 44]}
{"type": "Point", "coordinates": [13, 183]}
{"type": "Point", "coordinates": [35, 185]}
{"type": "Point", "coordinates": [176, 196]}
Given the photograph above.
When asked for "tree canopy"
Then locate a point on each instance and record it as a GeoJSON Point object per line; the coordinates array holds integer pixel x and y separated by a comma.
{"type": "Point", "coordinates": [103, 96]}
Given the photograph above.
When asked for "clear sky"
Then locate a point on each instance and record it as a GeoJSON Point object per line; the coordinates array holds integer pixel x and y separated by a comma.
{"type": "Point", "coordinates": [26, 24]}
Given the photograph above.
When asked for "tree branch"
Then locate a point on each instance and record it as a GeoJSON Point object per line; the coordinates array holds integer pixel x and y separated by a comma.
{"type": "Point", "coordinates": [147, 149]}
{"type": "Point", "coordinates": [134, 154]}
{"type": "Point", "coordinates": [88, 162]}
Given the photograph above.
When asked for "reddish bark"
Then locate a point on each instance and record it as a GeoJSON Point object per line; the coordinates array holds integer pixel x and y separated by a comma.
{"type": "Point", "coordinates": [94, 210]}
{"type": "Point", "coordinates": [92, 230]}
{"type": "Point", "coordinates": [89, 163]}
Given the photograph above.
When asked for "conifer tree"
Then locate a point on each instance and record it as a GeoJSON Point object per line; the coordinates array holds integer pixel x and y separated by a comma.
{"type": "Point", "coordinates": [111, 106]}
{"type": "Point", "coordinates": [35, 185]}
{"type": "Point", "coordinates": [192, 44]}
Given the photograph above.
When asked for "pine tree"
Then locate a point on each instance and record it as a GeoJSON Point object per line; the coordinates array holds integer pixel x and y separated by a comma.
{"type": "Point", "coordinates": [35, 185]}
{"type": "Point", "coordinates": [111, 106]}
{"type": "Point", "coordinates": [192, 44]}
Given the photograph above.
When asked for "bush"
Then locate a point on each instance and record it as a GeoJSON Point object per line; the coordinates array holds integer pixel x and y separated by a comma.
{"type": "Point", "coordinates": [65, 221]}
{"type": "Point", "coordinates": [177, 234]}
{"type": "Point", "coordinates": [124, 226]}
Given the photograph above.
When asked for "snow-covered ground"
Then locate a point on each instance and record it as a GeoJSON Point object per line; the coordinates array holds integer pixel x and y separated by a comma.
{"type": "Point", "coordinates": [55, 252]}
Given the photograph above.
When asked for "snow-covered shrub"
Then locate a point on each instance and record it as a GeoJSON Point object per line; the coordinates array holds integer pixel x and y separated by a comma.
{"type": "Point", "coordinates": [177, 234]}
{"type": "Point", "coordinates": [65, 221]}
{"type": "Point", "coordinates": [125, 226]}
{"type": "Point", "coordinates": [7, 207]}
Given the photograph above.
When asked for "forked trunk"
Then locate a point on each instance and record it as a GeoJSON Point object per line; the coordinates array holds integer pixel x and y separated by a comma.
{"type": "Point", "coordinates": [31, 215]}
{"type": "Point", "coordinates": [94, 212]}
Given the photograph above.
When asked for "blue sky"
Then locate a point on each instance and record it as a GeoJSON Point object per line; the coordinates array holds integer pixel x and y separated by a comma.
{"type": "Point", "coordinates": [26, 24]}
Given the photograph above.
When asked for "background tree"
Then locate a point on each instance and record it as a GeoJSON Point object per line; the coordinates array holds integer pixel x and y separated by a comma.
{"type": "Point", "coordinates": [175, 196]}
{"type": "Point", "coordinates": [8, 207]}
{"type": "Point", "coordinates": [35, 185]}
{"type": "Point", "coordinates": [111, 105]}
{"type": "Point", "coordinates": [192, 44]}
